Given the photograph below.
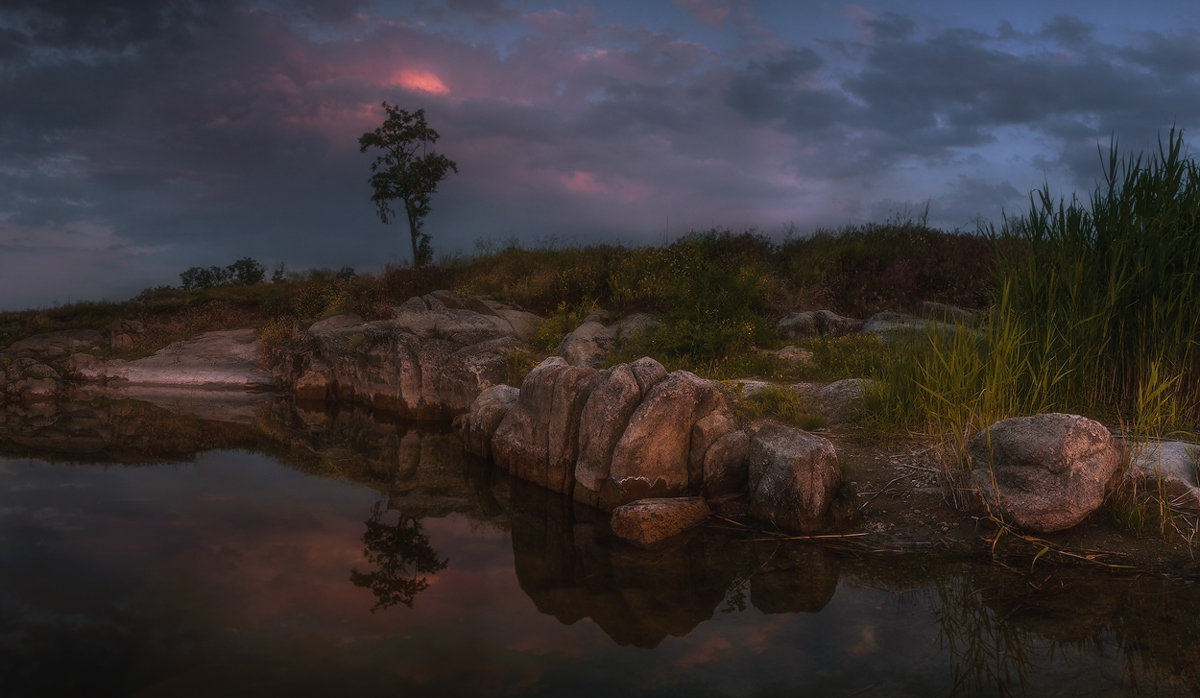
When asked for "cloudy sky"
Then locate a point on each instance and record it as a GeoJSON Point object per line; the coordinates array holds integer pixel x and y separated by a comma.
{"type": "Point", "coordinates": [140, 138]}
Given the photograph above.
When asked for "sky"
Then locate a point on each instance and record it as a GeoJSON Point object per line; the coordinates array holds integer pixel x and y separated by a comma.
{"type": "Point", "coordinates": [138, 138]}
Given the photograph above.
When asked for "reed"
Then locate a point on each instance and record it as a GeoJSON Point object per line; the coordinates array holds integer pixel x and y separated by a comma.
{"type": "Point", "coordinates": [1097, 312]}
{"type": "Point", "coordinates": [1112, 289]}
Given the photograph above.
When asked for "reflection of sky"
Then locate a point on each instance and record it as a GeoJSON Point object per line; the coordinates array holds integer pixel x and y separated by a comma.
{"type": "Point", "coordinates": [234, 572]}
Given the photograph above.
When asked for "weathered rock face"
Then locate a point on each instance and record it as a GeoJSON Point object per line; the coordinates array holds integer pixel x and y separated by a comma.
{"type": "Point", "coordinates": [612, 437]}
{"type": "Point", "coordinates": [794, 478]}
{"type": "Point", "coordinates": [650, 521]}
{"type": "Point", "coordinates": [429, 361]}
{"type": "Point", "coordinates": [1044, 473]}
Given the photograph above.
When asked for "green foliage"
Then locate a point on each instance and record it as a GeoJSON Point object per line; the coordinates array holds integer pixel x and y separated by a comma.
{"type": "Point", "coordinates": [848, 356]}
{"type": "Point", "coordinates": [1098, 312]}
{"type": "Point", "coordinates": [780, 403]}
{"type": "Point", "coordinates": [711, 292]}
{"type": "Point", "coordinates": [549, 333]}
{"type": "Point", "coordinates": [406, 170]}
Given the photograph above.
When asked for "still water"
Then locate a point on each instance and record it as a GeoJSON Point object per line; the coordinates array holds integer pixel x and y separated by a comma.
{"type": "Point", "coordinates": [406, 569]}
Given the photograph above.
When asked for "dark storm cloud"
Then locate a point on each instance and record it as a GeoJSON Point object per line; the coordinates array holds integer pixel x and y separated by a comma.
{"type": "Point", "coordinates": [1071, 32]}
{"type": "Point", "coordinates": [780, 87]}
{"type": "Point", "coordinates": [890, 26]}
{"type": "Point", "coordinates": [955, 89]}
{"type": "Point", "coordinates": [170, 134]}
{"type": "Point", "coordinates": [1174, 57]}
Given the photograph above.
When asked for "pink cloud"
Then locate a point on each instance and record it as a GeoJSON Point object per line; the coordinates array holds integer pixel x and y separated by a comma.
{"type": "Point", "coordinates": [588, 183]}
{"type": "Point", "coordinates": [420, 81]}
{"type": "Point", "coordinates": [711, 12]}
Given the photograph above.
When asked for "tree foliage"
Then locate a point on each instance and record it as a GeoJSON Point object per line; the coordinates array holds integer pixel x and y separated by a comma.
{"type": "Point", "coordinates": [406, 170]}
{"type": "Point", "coordinates": [244, 272]}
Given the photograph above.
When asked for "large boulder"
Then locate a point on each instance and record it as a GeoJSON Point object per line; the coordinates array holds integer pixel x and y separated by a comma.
{"type": "Point", "coordinates": [430, 360]}
{"type": "Point", "coordinates": [612, 437]}
{"type": "Point", "coordinates": [654, 456]}
{"type": "Point", "coordinates": [1044, 473]}
{"type": "Point", "coordinates": [602, 422]}
{"type": "Point", "coordinates": [589, 344]}
{"type": "Point", "coordinates": [794, 478]}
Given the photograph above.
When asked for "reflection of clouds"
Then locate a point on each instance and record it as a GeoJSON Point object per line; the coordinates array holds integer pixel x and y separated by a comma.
{"type": "Point", "coordinates": [710, 650]}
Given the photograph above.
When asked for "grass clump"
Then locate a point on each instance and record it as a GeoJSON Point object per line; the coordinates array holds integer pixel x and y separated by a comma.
{"type": "Point", "coordinates": [781, 403]}
{"type": "Point", "coordinates": [549, 333]}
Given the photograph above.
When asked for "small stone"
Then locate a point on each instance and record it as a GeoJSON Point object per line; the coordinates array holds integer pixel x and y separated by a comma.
{"type": "Point", "coordinates": [650, 521]}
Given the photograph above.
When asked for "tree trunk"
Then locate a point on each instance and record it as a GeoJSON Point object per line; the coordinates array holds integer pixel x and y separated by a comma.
{"type": "Point", "coordinates": [414, 232]}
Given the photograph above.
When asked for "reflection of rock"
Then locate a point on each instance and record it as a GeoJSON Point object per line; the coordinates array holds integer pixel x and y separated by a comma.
{"type": "Point", "coordinates": [570, 570]}
{"type": "Point", "coordinates": [1044, 473]}
{"type": "Point", "coordinates": [103, 429]}
{"type": "Point", "coordinates": [793, 580]}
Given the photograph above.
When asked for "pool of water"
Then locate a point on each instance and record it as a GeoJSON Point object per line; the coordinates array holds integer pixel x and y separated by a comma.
{"type": "Point", "coordinates": [236, 573]}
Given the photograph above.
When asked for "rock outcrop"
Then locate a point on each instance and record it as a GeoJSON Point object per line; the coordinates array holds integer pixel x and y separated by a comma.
{"type": "Point", "coordinates": [430, 360]}
{"type": "Point", "coordinates": [32, 368]}
{"type": "Point", "coordinates": [227, 359]}
{"type": "Point", "coordinates": [811, 323]}
{"type": "Point", "coordinates": [1044, 473]}
{"type": "Point", "coordinates": [611, 437]}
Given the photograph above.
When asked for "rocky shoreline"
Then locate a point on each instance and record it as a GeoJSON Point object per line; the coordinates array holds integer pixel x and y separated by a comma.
{"type": "Point", "coordinates": [632, 439]}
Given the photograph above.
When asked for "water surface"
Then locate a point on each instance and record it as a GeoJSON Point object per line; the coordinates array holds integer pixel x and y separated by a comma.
{"type": "Point", "coordinates": [405, 568]}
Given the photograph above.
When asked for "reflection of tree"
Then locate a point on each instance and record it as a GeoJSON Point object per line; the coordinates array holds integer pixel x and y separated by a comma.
{"type": "Point", "coordinates": [400, 552]}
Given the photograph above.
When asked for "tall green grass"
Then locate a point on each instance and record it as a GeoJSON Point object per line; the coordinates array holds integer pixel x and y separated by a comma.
{"type": "Point", "coordinates": [1112, 290]}
{"type": "Point", "coordinates": [1097, 312]}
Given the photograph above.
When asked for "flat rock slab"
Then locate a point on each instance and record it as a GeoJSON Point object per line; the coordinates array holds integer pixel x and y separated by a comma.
{"type": "Point", "coordinates": [228, 359]}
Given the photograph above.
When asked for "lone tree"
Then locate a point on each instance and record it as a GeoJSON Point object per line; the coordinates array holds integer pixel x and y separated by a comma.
{"type": "Point", "coordinates": [406, 170]}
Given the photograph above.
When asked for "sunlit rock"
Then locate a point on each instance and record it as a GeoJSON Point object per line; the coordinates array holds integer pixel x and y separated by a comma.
{"type": "Point", "coordinates": [1044, 473]}
{"type": "Point", "coordinates": [650, 521]}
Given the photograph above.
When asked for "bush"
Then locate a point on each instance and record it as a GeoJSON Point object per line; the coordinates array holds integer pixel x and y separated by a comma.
{"type": "Point", "coordinates": [245, 272]}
